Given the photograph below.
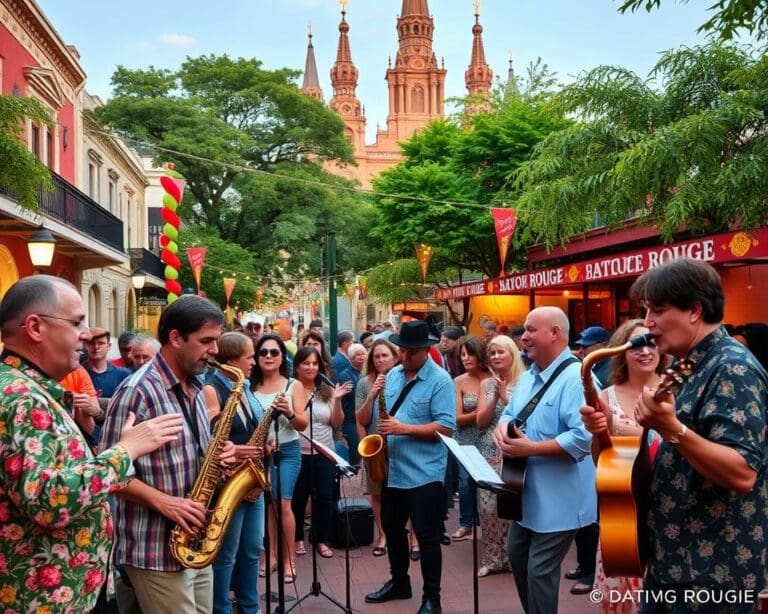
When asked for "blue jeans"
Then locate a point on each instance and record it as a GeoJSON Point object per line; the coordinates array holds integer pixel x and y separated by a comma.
{"type": "Point", "coordinates": [290, 465]}
{"type": "Point", "coordinates": [467, 500]}
{"type": "Point", "coordinates": [238, 560]}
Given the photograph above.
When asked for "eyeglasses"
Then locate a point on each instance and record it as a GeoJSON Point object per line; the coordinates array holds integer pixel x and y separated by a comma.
{"type": "Point", "coordinates": [273, 352]}
{"type": "Point", "coordinates": [651, 347]}
{"type": "Point", "coordinates": [79, 325]}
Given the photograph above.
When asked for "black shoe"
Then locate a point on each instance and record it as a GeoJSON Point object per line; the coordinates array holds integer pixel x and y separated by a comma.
{"type": "Point", "coordinates": [445, 539]}
{"type": "Point", "coordinates": [390, 591]}
{"type": "Point", "coordinates": [575, 574]}
{"type": "Point", "coordinates": [430, 605]}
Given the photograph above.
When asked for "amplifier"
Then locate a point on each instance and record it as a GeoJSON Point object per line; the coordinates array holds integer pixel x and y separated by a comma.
{"type": "Point", "coordinates": [360, 523]}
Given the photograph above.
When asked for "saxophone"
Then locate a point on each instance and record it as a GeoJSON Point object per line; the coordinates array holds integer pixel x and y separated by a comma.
{"type": "Point", "coordinates": [373, 448]}
{"type": "Point", "coordinates": [197, 550]}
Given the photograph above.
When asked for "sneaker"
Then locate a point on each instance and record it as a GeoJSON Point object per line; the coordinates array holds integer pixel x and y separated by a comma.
{"type": "Point", "coordinates": [461, 534]}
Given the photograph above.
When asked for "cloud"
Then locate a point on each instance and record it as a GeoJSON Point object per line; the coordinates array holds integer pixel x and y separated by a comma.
{"type": "Point", "coordinates": [177, 40]}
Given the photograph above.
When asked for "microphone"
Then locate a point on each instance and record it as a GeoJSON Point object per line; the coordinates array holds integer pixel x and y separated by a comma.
{"type": "Point", "coordinates": [326, 381]}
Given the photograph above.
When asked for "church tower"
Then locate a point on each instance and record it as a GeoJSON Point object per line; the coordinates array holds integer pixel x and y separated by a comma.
{"type": "Point", "coordinates": [344, 82]}
{"type": "Point", "coordinates": [416, 84]}
{"type": "Point", "coordinates": [311, 85]}
{"type": "Point", "coordinates": [479, 75]}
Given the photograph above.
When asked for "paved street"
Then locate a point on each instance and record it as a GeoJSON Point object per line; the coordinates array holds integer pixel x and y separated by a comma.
{"type": "Point", "coordinates": [497, 592]}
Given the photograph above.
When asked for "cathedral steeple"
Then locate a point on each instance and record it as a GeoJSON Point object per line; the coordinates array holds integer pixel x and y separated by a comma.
{"type": "Point", "coordinates": [311, 85]}
{"type": "Point", "coordinates": [479, 75]}
{"type": "Point", "coordinates": [510, 88]}
{"type": "Point", "coordinates": [344, 82]}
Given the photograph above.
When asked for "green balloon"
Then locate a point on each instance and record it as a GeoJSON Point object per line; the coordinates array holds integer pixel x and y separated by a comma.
{"type": "Point", "coordinates": [172, 247]}
{"type": "Point", "coordinates": [170, 272]}
{"type": "Point", "coordinates": [172, 297]}
{"type": "Point", "coordinates": [170, 203]}
{"type": "Point", "coordinates": [170, 232]}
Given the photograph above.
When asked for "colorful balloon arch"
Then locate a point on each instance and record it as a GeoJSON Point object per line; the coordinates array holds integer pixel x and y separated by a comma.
{"type": "Point", "coordinates": [173, 184]}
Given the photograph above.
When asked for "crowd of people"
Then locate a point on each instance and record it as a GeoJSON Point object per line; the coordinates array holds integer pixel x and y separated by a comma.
{"type": "Point", "coordinates": [86, 443]}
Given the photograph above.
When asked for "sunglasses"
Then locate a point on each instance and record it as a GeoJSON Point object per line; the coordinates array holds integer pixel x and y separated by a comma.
{"type": "Point", "coordinates": [273, 352]}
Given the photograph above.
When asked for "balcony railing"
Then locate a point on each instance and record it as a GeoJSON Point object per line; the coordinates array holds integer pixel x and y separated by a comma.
{"type": "Point", "coordinates": [76, 209]}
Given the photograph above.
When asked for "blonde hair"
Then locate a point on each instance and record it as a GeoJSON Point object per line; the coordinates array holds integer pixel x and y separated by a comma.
{"type": "Point", "coordinates": [518, 367]}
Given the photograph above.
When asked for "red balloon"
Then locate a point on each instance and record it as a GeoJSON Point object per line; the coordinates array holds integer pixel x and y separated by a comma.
{"type": "Point", "coordinates": [171, 186]}
{"type": "Point", "coordinates": [164, 240]}
{"type": "Point", "coordinates": [171, 259]}
{"type": "Point", "coordinates": [173, 286]}
{"type": "Point", "coordinates": [170, 217]}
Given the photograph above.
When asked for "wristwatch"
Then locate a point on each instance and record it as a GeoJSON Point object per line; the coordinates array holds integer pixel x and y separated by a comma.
{"type": "Point", "coordinates": [292, 417]}
{"type": "Point", "coordinates": [677, 438]}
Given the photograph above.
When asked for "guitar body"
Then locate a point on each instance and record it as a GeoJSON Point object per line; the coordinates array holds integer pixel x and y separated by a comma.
{"type": "Point", "coordinates": [509, 499]}
{"type": "Point", "coordinates": [623, 481]}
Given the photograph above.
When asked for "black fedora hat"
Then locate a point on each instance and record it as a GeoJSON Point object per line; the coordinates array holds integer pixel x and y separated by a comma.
{"type": "Point", "coordinates": [414, 335]}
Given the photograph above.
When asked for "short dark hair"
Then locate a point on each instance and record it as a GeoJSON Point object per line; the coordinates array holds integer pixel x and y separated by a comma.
{"type": "Point", "coordinates": [301, 356]}
{"type": "Point", "coordinates": [365, 335]}
{"type": "Point", "coordinates": [682, 283]}
{"type": "Point", "coordinates": [316, 324]}
{"type": "Point", "coordinates": [516, 331]}
{"type": "Point", "coordinates": [187, 314]}
{"type": "Point", "coordinates": [125, 338]}
{"type": "Point", "coordinates": [257, 376]}
{"type": "Point", "coordinates": [28, 295]}
{"type": "Point", "coordinates": [344, 336]}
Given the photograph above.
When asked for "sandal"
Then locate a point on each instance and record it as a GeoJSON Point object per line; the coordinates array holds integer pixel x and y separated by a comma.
{"type": "Point", "coordinates": [581, 588]}
{"type": "Point", "coordinates": [272, 569]}
{"type": "Point", "coordinates": [324, 551]}
{"type": "Point", "coordinates": [379, 551]}
{"type": "Point", "coordinates": [300, 548]}
{"type": "Point", "coordinates": [289, 578]}
{"type": "Point", "coordinates": [483, 571]}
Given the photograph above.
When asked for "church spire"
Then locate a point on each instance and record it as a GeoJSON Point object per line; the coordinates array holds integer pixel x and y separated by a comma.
{"type": "Point", "coordinates": [510, 88]}
{"type": "Point", "coordinates": [311, 85]}
{"type": "Point", "coordinates": [478, 76]}
{"type": "Point", "coordinates": [414, 7]}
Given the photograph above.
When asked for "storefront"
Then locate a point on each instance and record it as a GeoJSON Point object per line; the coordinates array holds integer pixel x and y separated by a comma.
{"type": "Point", "coordinates": [596, 290]}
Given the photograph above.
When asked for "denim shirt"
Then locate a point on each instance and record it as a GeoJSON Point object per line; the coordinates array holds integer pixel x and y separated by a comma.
{"type": "Point", "coordinates": [559, 493]}
{"type": "Point", "coordinates": [415, 462]}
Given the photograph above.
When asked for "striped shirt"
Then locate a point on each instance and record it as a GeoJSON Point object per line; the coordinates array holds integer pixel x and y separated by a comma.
{"type": "Point", "coordinates": [142, 534]}
{"type": "Point", "coordinates": [415, 462]}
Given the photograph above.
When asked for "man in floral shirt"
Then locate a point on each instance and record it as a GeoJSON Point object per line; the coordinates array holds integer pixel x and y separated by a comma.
{"type": "Point", "coordinates": [708, 500]}
{"type": "Point", "coordinates": [55, 529]}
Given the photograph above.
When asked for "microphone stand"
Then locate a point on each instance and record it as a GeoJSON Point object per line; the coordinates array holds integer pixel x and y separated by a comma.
{"type": "Point", "coordinates": [315, 589]}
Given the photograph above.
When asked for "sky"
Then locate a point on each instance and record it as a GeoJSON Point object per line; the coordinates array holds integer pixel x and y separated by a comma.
{"type": "Point", "coordinates": [569, 35]}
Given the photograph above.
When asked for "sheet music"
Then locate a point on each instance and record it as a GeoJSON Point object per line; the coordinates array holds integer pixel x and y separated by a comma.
{"type": "Point", "coordinates": [331, 455]}
{"type": "Point", "coordinates": [470, 458]}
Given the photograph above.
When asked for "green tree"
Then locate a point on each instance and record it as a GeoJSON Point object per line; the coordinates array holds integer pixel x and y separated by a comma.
{"type": "Point", "coordinates": [233, 112]}
{"type": "Point", "coordinates": [20, 171]}
{"type": "Point", "coordinates": [729, 16]}
{"type": "Point", "coordinates": [684, 148]}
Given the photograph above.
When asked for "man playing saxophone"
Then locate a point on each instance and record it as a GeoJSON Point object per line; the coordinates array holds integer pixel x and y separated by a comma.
{"type": "Point", "coordinates": [155, 500]}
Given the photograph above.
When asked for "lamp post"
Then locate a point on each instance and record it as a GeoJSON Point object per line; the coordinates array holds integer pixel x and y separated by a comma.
{"type": "Point", "coordinates": [41, 246]}
{"type": "Point", "coordinates": [138, 278]}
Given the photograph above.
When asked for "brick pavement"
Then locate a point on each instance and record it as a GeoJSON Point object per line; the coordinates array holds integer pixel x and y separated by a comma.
{"type": "Point", "coordinates": [497, 593]}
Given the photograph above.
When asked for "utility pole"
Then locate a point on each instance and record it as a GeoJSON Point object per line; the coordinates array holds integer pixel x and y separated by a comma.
{"type": "Point", "coordinates": [333, 315]}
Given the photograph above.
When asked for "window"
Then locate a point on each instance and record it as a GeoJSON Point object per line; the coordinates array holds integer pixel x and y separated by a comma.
{"type": "Point", "coordinates": [36, 145]}
{"type": "Point", "coordinates": [51, 149]}
{"type": "Point", "coordinates": [93, 180]}
{"type": "Point", "coordinates": [111, 201]}
{"type": "Point", "coordinates": [417, 99]}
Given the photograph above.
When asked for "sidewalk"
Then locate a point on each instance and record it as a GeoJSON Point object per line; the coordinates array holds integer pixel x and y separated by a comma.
{"type": "Point", "coordinates": [497, 592]}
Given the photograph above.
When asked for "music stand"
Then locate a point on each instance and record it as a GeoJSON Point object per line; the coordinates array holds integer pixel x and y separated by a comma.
{"type": "Point", "coordinates": [343, 469]}
{"type": "Point", "coordinates": [482, 475]}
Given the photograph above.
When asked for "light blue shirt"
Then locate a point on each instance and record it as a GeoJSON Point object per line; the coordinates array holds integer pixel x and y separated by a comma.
{"type": "Point", "coordinates": [559, 493]}
{"type": "Point", "coordinates": [415, 462]}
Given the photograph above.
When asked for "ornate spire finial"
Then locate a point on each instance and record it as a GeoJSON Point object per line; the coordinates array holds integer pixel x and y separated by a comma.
{"type": "Point", "coordinates": [476, 6]}
{"type": "Point", "coordinates": [309, 30]}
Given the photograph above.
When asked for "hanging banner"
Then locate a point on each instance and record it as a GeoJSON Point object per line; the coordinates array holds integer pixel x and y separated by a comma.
{"type": "Point", "coordinates": [196, 257]}
{"type": "Point", "coordinates": [362, 284]}
{"type": "Point", "coordinates": [229, 286]}
{"type": "Point", "coordinates": [351, 291]}
{"type": "Point", "coordinates": [173, 184]}
{"type": "Point", "coordinates": [504, 221]}
{"type": "Point", "coordinates": [423, 256]}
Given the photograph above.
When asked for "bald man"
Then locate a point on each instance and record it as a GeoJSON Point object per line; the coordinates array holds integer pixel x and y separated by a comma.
{"type": "Point", "coordinates": [559, 493]}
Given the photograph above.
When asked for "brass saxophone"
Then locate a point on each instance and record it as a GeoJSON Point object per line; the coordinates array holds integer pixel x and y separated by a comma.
{"type": "Point", "coordinates": [197, 550]}
{"type": "Point", "coordinates": [373, 447]}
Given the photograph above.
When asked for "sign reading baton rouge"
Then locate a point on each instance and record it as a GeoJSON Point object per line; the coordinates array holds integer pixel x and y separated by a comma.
{"type": "Point", "coordinates": [719, 248]}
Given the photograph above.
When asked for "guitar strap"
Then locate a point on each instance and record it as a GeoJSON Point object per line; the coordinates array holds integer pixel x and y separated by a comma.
{"type": "Point", "coordinates": [526, 412]}
{"type": "Point", "coordinates": [403, 394]}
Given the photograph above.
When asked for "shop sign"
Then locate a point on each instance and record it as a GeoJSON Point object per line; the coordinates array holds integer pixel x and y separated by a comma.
{"type": "Point", "coordinates": [720, 248]}
{"type": "Point", "coordinates": [413, 306]}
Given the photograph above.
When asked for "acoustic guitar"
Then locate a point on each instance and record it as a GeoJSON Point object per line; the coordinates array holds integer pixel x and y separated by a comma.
{"type": "Point", "coordinates": [509, 499]}
{"type": "Point", "coordinates": [624, 476]}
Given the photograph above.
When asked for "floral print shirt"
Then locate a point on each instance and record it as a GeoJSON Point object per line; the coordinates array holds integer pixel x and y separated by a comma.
{"type": "Point", "coordinates": [55, 527]}
{"type": "Point", "coordinates": [702, 534]}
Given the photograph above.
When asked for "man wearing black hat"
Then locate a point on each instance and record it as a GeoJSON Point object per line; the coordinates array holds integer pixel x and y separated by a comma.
{"type": "Point", "coordinates": [421, 400]}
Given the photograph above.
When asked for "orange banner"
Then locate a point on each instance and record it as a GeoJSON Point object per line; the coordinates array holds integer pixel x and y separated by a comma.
{"type": "Point", "coordinates": [229, 286]}
{"type": "Point", "coordinates": [196, 257]}
{"type": "Point", "coordinates": [504, 221]}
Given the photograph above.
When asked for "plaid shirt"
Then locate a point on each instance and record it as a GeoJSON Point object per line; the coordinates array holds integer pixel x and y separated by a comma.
{"type": "Point", "coordinates": [142, 534]}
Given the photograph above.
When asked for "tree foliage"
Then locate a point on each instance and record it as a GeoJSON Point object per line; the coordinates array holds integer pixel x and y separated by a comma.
{"type": "Point", "coordinates": [729, 16]}
{"type": "Point", "coordinates": [685, 147]}
{"type": "Point", "coordinates": [20, 171]}
{"type": "Point", "coordinates": [235, 112]}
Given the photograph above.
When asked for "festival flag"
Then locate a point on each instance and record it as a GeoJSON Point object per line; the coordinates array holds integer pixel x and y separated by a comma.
{"type": "Point", "coordinates": [351, 291]}
{"type": "Point", "coordinates": [196, 257]}
{"type": "Point", "coordinates": [229, 286]}
{"type": "Point", "coordinates": [362, 284]}
{"type": "Point", "coordinates": [423, 256]}
{"type": "Point", "coordinates": [504, 221]}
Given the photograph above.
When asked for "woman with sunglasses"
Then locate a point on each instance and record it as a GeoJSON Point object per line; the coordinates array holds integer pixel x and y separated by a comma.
{"type": "Point", "coordinates": [322, 404]}
{"type": "Point", "coordinates": [270, 377]}
{"type": "Point", "coordinates": [238, 560]}
{"type": "Point", "coordinates": [630, 373]}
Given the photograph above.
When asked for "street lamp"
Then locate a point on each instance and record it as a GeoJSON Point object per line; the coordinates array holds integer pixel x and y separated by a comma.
{"type": "Point", "coordinates": [138, 278]}
{"type": "Point", "coordinates": [41, 245]}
